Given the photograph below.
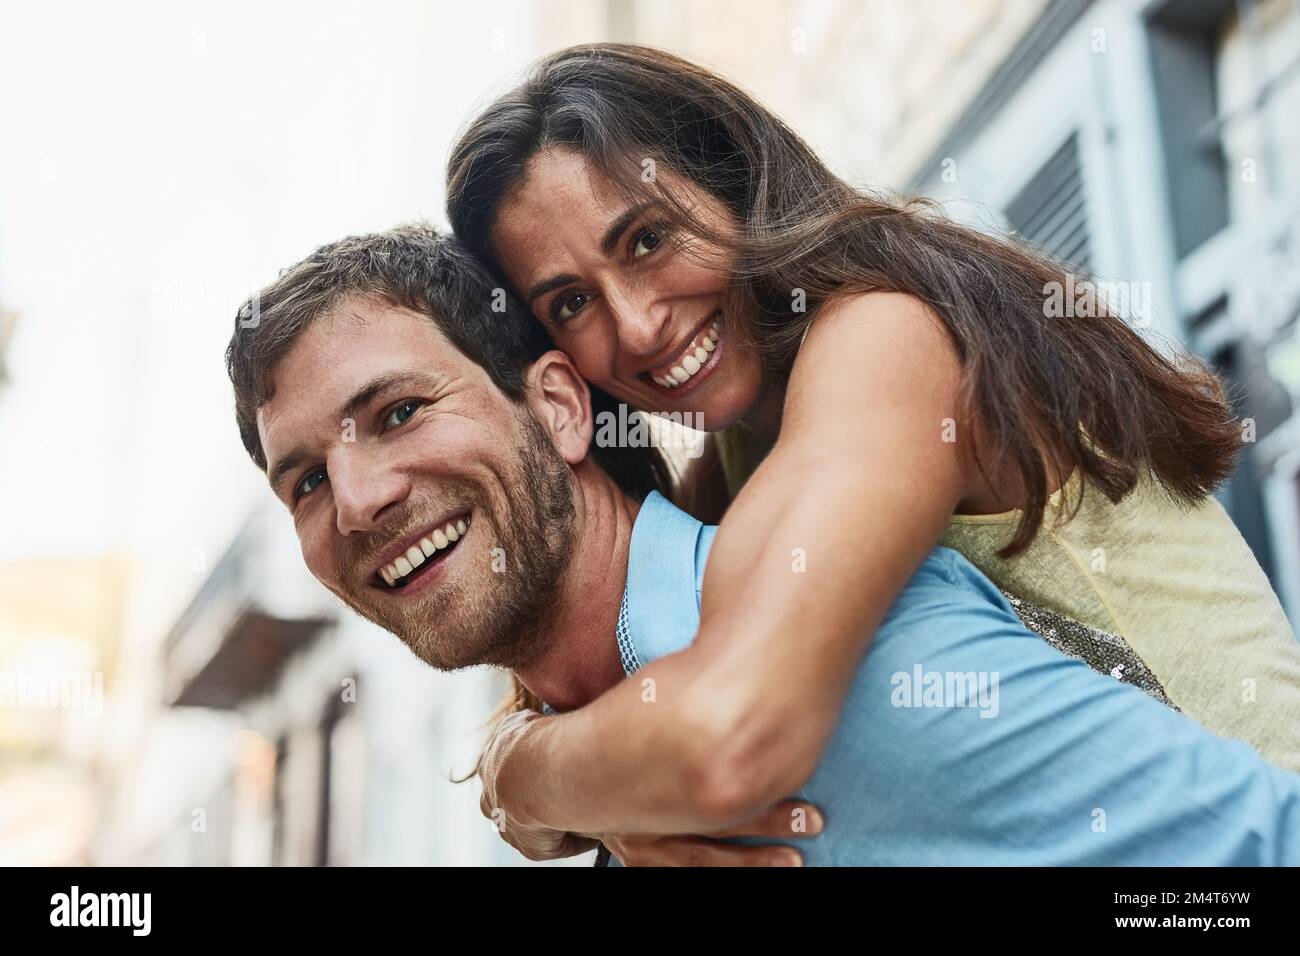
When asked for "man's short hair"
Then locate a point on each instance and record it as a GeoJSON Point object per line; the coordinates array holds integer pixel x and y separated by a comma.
{"type": "Point", "coordinates": [416, 268]}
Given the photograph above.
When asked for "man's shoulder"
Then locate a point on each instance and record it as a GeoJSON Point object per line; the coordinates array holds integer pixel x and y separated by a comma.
{"type": "Point", "coordinates": [948, 586]}
{"type": "Point", "coordinates": [944, 567]}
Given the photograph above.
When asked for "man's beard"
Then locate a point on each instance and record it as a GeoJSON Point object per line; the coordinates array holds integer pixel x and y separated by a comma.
{"type": "Point", "coordinates": [487, 616]}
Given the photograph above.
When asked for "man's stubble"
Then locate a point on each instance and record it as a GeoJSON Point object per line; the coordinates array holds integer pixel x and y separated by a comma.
{"type": "Point", "coordinates": [500, 613]}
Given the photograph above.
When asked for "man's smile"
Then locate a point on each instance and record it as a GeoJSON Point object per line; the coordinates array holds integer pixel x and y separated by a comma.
{"type": "Point", "coordinates": [418, 558]}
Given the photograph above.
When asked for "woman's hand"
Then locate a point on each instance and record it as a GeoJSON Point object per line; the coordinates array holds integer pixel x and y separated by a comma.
{"type": "Point", "coordinates": [534, 841]}
{"type": "Point", "coordinates": [788, 819]}
{"type": "Point", "coordinates": [538, 843]}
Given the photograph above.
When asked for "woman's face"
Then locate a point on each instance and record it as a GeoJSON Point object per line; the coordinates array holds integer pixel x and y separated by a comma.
{"type": "Point", "coordinates": [640, 316]}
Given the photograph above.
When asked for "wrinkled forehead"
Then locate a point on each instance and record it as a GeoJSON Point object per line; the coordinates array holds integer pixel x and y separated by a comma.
{"type": "Point", "coordinates": [561, 199]}
{"type": "Point", "coordinates": [355, 345]}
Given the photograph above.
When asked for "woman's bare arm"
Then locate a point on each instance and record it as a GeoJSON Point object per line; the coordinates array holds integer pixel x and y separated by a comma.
{"type": "Point", "coordinates": [803, 569]}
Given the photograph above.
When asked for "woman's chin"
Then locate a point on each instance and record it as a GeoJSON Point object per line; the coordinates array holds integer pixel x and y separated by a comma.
{"type": "Point", "coordinates": [713, 410]}
{"type": "Point", "coordinates": [712, 407]}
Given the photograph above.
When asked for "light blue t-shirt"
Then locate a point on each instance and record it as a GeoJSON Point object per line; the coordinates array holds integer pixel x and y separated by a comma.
{"type": "Point", "coordinates": [967, 740]}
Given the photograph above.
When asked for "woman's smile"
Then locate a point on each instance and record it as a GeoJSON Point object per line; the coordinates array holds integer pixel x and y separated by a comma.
{"type": "Point", "coordinates": [692, 363]}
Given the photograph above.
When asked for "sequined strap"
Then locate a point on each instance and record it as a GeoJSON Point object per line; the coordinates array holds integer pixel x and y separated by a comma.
{"type": "Point", "coordinates": [1104, 652]}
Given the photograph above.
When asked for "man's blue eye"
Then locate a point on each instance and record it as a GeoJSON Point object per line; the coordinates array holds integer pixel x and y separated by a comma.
{"type": "Point", "coordinates": [401, 413]}
{"type": "Point", "coordinates": [308, 483]}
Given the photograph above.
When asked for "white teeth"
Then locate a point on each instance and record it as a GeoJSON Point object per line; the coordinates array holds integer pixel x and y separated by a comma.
{"type": "Point", "coordinates": [418, 553]}
{"type": "Point", "coordinates": [692, 361]}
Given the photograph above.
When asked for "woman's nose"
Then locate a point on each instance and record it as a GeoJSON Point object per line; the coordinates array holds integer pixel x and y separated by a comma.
{"type": "Point", "coordinates": [643, 324]}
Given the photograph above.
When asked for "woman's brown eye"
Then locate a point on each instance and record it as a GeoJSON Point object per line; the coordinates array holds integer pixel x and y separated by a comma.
{"type": "Point", "coordinates": [569, 307]}
{"type": "Point", "coordinates": [647, 241]}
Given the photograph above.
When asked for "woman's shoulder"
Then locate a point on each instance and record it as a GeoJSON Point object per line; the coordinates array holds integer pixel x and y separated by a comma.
{"type": "Point", "coordinates": [888, 330]}
{"type": "Point", "coordinates": [881, 310]}
{"type": "Point", "coordinates": [876, 345]}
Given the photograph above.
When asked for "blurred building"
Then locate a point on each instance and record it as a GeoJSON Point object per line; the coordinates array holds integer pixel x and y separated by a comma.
{"type": "Point", "coordinates": [59, 638]}
{"type": "Point", "coordinates": [59, 630]}
{"type": "Point", "coordinates": [8, 323]}
{"type": "Point", "coordinates": [309, 736]}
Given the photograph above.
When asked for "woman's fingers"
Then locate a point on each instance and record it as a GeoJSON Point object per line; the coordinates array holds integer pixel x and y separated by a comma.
{"type": "Point", "coordinates": [540, 844]}
{"type": "Point", "coordinates": [697, 851]}
{"type": "Point", "coordinates": [786, 820]}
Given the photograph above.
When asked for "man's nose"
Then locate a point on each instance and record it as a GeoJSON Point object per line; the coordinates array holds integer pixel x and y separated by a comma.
{"type": "Point", "coordinates": [364, 491]}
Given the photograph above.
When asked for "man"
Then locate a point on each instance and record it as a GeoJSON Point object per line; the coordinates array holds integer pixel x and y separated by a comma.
{"type": "Point", "coordinates": [437, 462]}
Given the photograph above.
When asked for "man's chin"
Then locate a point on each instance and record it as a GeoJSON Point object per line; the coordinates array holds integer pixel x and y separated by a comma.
{"type": "Point", "coordinates": [450, 650]}
{"type": "Point", "coordinates": [460, 638]}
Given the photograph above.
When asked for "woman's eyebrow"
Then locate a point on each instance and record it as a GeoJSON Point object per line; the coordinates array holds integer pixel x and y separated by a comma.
{"type": "Point", "coordinates": [619, 226]}
{"type": "Point", "coordinates": [539, 289]}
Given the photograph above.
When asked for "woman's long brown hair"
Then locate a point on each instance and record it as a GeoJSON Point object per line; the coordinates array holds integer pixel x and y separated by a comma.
{"type": "Point", "coordinates": [1084, 392]}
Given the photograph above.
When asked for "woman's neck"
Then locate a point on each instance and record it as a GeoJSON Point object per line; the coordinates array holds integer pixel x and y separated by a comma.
{"type": "Point", "coordinates": [764, 416]}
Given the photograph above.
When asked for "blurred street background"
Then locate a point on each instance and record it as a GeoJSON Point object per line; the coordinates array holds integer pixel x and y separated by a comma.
{"type": "Point", "coordinates": [180, 691]}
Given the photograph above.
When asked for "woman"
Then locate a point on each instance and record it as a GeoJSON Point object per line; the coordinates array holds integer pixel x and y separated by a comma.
{"type": "Point", "coordinates": [863, 364]}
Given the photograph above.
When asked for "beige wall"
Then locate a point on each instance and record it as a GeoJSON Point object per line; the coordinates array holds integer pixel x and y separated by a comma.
{"type": "Point", "coordinates": [873, 84]}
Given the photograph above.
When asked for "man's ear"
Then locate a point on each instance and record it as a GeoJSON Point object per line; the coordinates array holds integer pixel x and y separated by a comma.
{"type": "Point", "coordinates": [560, 400]}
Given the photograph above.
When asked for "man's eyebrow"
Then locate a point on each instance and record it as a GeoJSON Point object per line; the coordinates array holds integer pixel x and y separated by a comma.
{"type": "Point", "coordinates": [607, 243]}
{"type": "Point", "coordinates": [376, 386]}
{"type": "Point", "coordinates": [281, 469]}
{"type": "Point", "coordinates": [349, 409]}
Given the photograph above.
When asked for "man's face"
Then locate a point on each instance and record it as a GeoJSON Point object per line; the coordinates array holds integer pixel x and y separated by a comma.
{"type": "Point", "coordinates": [422, 496]}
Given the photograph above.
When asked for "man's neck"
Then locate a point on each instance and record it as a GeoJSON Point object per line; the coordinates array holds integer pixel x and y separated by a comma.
{"type": "Point", "coordinates": [581, 660]}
